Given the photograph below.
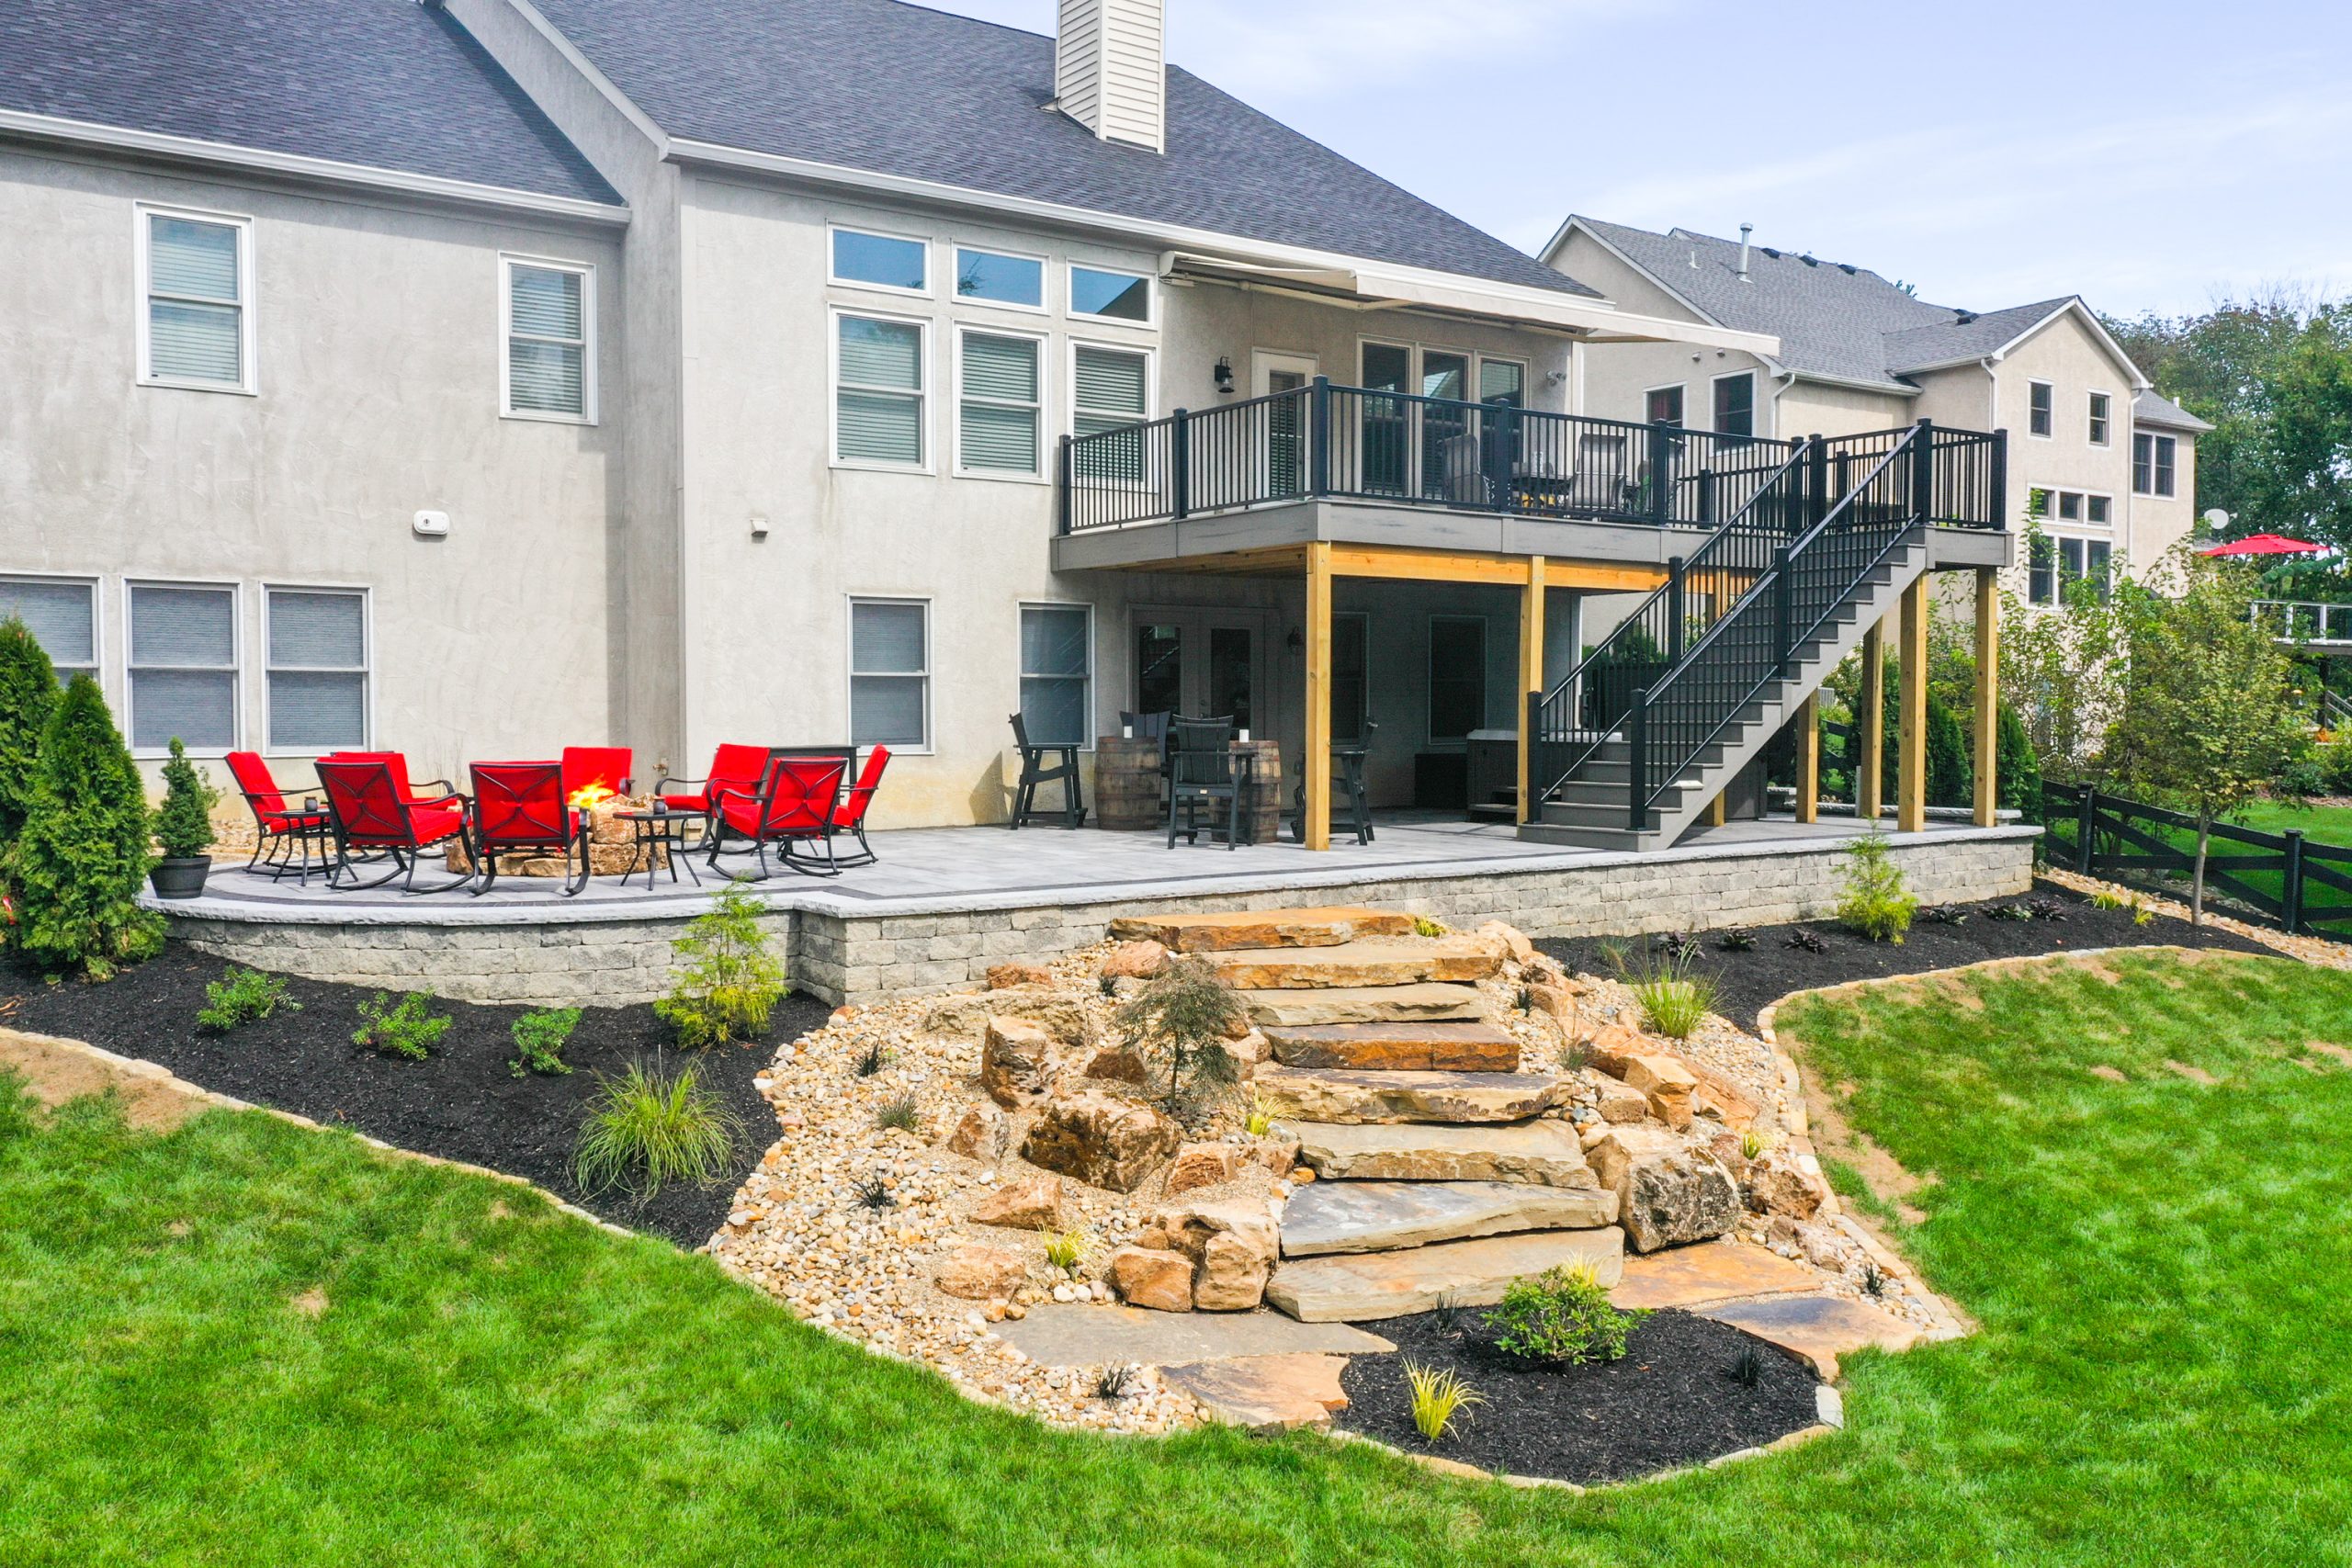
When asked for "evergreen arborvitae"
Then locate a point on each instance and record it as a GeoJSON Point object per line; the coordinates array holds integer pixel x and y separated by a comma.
{"type": "Point", "coordinates": [184, 822]}
{"type": "Point", "coordinates": [2018, 771]}
{"type": "Point", "coordinates": [1951, 779]}
{"type": "Point", "coordinates": [79, 861]}
{"type": "Point", "coordinates": [28, 697]}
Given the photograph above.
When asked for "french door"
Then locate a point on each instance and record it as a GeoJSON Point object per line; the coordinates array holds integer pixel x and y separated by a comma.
{"type": "Point", "coordinates": [1203, 664]}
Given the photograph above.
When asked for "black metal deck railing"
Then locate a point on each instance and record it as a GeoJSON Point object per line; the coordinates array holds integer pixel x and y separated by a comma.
{"type": "Point", "coordinates": [1350, 443]}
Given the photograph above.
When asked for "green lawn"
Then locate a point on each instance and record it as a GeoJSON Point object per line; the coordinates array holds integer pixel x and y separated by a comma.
{"type": "Point", "coordinates": [2164, 1373]}
{"type": "Point", "coordinates": [2324, 824]}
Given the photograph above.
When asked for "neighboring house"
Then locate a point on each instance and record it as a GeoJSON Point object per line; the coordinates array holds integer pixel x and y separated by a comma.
{"type": "Point", "coordinates": [474, 377]}
{"type": "Point", "coordinates": [2109, 463]}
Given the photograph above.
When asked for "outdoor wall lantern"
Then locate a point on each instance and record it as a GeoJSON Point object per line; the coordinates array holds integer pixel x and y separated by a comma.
{"type": "Point", "coordinates": [1296, 640]}
{"type": "Point", "coordinates": [1223, 373]}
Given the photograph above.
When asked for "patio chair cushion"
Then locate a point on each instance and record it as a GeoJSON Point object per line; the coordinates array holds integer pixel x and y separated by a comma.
{"type": "Point", "coordinates": [850, 812]}
{"type": "Point", "coordinates": [522, 805]}
{"type": "Point", "coordinates": [255, 782]}
{"type": "Point", "coordinates": [732, 767]}
{"type": "Point", "coordinates": [585, 766]}
{"type": "Point", "coordinates": [396, 761]}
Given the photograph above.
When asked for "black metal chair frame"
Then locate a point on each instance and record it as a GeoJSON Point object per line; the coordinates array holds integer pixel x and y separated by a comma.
{"type": "Point", "coordinates": [573, 841]}
{"type": "Point", "coordinates": [405, 858]}
{"type": "Point", "coordinates": [717, 830]}
{"type": "Point", "coordinates": [1348, 785]}
{"type": "Point", "coordinates": [1193, 781]}
{"type": "Point", "coordinates": [1033, 772]}
{"type": "Point", "coordinates": [273, 849]}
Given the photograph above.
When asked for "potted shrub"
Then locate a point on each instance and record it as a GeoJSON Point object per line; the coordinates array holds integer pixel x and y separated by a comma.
{"type": "Point", "coordinates": [183, 829]}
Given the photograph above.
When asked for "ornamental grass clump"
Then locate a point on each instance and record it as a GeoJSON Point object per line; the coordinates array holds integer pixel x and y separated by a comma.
{"type": "Point", "coordinates": [1674, 1001]}
{"type": "Point", "coordinates": [539, 1039]}
{"type": "Point", "coordinates": [407, 1028]}
{"type": "Point", "coordinates": [731, 982]}
{"type": "Point", "coordinates": [76, 868]}
{"type": "Point", "coordinates": [241, 997]}
{"type": "Point", "coordinates": [1439, 1396]}
{"type": "Point", "coordinates": [1874, 904]}
{"type": "Point", "coordinates": [1187, 1013]}
{"type": "Point", "coordinates": [1561, 1318]}
{"type": "Point", "coordinates": [649, 1128]}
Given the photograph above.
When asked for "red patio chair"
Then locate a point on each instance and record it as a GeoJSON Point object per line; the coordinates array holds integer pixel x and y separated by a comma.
{"type": "Point", "coordinates": [849, 816]}
{"type": "Point", "coordinates": [524, 807]}
{"type": "Point", "coordinates": [586, 765]}
{"type": "Point", "coordinates": [735, 769]}
{"type": "Point", "coordinates": [796, 804]}
{"type": "Point", "coordinates": [281, 829]}
{"type": "Point", "coordinates": [370, 815]}
{"type": "Point", "coordinates": [398, 762]}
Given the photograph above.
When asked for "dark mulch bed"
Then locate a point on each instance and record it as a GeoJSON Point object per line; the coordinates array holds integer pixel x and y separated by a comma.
{"type": "Point", "coordinates": [1748, 982]}
{"type": "Point", "coordinates": [461, 1103]}
{"type": "Point", "coordinates": [1671, 1402]}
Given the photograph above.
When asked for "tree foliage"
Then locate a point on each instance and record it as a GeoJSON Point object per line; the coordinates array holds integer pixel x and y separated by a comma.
{"type": "Point", "coordinates": [730, 981]}
{"type": "Point", "coordinates": [78, 864]}
{"type": "Point", "coordinates": [184, 822]}
{"type": "Point", "coordinates": [28, 697]}
{"type": "Point", "coordinates": [1187, 1013]}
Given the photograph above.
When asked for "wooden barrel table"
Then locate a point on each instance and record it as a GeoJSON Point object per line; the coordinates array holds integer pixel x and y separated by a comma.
{"type": "Point", "coordinates": [1126, 784]}
{"type": "Point", "coordinates": [1262, 807]}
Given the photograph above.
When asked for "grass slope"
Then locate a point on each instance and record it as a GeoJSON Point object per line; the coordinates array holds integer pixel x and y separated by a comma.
{"type": "Point", "coordinates": [2158, 1265]}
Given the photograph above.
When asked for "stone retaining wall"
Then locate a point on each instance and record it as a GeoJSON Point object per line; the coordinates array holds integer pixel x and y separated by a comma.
{"type": "Point", "coordinates": [862, 958]}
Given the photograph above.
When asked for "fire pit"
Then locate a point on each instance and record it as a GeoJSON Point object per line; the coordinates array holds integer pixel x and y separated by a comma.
{"type": "Point", "coordinates": [612, 845]}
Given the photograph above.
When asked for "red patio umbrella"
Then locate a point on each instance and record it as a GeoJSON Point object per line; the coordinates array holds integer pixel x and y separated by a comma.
{"type": "Point", "coordinates": [2263, 545]}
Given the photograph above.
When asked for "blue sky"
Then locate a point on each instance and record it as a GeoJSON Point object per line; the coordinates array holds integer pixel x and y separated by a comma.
{"type": "Point", "coordinates": [2151, 156]}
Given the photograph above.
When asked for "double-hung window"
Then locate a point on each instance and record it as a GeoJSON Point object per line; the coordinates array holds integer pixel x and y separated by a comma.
{"type": "Point", "coordinates": [2037, 407]}
{"type": "Point", "coordinates": [999, 407]}
{"type": "Point", "coordinates": [2058, 562]}
{"type": "Point", "coordinates": [1110, 387]}
{"type": "Point", "coordinates": [2153, 458]}
{"type": "Point", "coordinates": [993, 277]}
{"type": "Point", "coordinates": [551, 367]}
{"type": "Point", "coordinates": [889, 672]}
{"type": "Point", "coordinates": [1663, 405]}
{"type": "Point", "coordinates": [1736, 404]}
{"type": "Point", "coordinates": [62, 614]}
{"type": "Point", "coordinates": [1057, 673]}
{"type": "Point", "coordinates": [317, 639]}
{"type": "Point", "coordinates": [195, 326]}
{"type": "Point", "coordinates": [879, 392]}
{"type": "Point", "coordinates": [2099, 423]}
{"type": "Point", "coordinates": [183, 666]}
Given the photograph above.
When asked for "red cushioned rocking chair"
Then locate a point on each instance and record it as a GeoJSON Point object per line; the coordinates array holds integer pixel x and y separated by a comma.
{"type": "Point", "coordinates": [797, 801]}
{"type": "Point", "coordinates": [520, 807]}
{"type": "Point", "coordinates": [371, 814]}
{"type": "Point", "coordinates": [282, 831]}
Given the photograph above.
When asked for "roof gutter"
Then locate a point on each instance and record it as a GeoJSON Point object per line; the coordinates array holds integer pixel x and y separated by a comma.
{"type": "Point", "coordinates": [49, 128]}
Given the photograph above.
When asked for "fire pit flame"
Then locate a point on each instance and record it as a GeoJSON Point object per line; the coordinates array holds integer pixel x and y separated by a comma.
{"type": "Point", "coordinates": [589, 796]}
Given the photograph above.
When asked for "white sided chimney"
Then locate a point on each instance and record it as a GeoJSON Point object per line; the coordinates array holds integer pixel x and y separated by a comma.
{"type": "Point", "coordinates": [1111, 69]}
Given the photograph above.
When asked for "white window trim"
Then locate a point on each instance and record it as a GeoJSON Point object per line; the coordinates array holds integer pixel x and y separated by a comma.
{"type": "Point", "coordinates": [930, 261]}
{"type": "Point", "coordinates": [586, 272]}
{"type": "Point", "coordinates": [1092, 651]}
{"type": "Point", "coordinates": [98, 665]}
{"type": "Point", "coordinates": [1429, 676]}
{"type": "Point", "coordinates": [2052, 435]}
{"type": "Point", "coordinates": [2050, 517]}
{"type": "Point", "coordinates": [1044, 404]}
{"type": "Point", "coordinates": [2087, 437]}
{"type": "Point", "coordinates": [1755, 405]}
{"type": "Point", "coordinates": [2058, 539]}
{"type": "Point", "coordinates": [2153, 439]}
{"type": "Point", "coordinates": [1151, 322]}
{"type": "Point", "coordinates": [248, 358]}
{"type": "Point", "coordinates": [1044, 306]}
{"type": "Point", "coordinates": [367, 653]}
{"type": "Point", "coordinates": [925, 418]}
{"type": "Point", "coordinates": [930, 664]}
{"type": "Point", "coordinates": [1150, 376]}
{"type": "Point", "coordinates": [1682, 386]}
{"type": "Point", "coordinates": [237, 650]}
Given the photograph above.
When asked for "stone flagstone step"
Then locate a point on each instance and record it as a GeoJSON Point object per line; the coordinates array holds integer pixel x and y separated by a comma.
{"type": "Point", "coordinates": [1381, 1216]}
{"type": "Point", "coordinates": [1347, 1095]}
{"type": "Point", "coordinates": [1405, 1047]}
{"type": "Point", "coordinates": [1542, 1154]}
{"type": "Point", "coordinates": [1819, 1327]}
{"type": "Point", "coordinates": [1057, 1336]}
{"type": "Point", "coordinates": [1456, 959]}
{"type": "Point", "coordinates": [1364, 1286]}
{"type": "Point", "coordinates": [1424, 1002]}
{"type": "Point", "coordinates": [1260, 928]}
{"type": "Point", "coordinates": [1266, 1393]}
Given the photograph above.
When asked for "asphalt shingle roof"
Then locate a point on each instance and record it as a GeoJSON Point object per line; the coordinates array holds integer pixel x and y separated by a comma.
{"type": "Point", "coordinates": [384, 83]}
{"type": "Point", "coordinates": [891, 88]}
{"type": "Point", "coordinates": [1832, 320]}
{"type": "Point", "coordinates": [2154, 408]}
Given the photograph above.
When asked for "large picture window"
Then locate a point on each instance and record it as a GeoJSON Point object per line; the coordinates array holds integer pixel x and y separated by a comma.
{"type": "Point", "coordinates": [889, 672]}
{"type": "Point", "coordinates": [63, 616]}
{"type": "Point", "coordinates": [1057, 674]}
{"type": "Point", "coordinates": [317, 640]}
{"type": "Point", "coordinates": [197, 325]}
{"type": "Point", "coordinates": [550, 358]}
{"type": "Point", "coordinates": [879, 392]}
{"type": "Point", "coordinates": [183, 666]}
{"type": "Point", "coordinates": [999, 406]}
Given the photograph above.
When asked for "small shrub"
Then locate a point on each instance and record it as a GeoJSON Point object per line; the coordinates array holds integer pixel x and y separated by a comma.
{"type": "Point", "coordinates": [1680, 947]}
{"type": "Point", "coordinates": [1561, 1316]}
{"type": "Point", "coordinates": [1944, 915]}
{"type": "Point", "coordinates": [2046, 910]}
{"type": "Point", "coordinates": [1874, 904]}
{"type": "Point", "coordinates": [1113, 1382]}
{"type": "Point", "coordinates": [1447, 1314]}
{"type": "Point", "coordinates": [1674, 1001]}
{"type": "Point", "coordinates": [184, 822]}
{"type": "Point", "coordinates": [1746, 1368]}
{"type": "Point", "coordinates": [1522, 1000]}
{"type": "Point", "coordinates": [1439, 1396]}
{"type": "Point", "coordinates": [1424, 926]}
{"type": "Point", "coordinates": [649, 1128]}
{"type": "Point", "coordinates": [539, 1039]}
{"type": "Point", "coordinates": [1257, 1121]}
{"type": "Point", "coordinates": [1736, 939]}
{"type": "Point", "coordinates": [1107, 984]}
{"type": "Point", "coordinates": [241, 996]}
{"type": "Point", "coordinates": [77, 868]}
{"type": "Point", "coordinates": [869, 1061]}
{"type": "Point", "coordinates": [899, 1113]}
{"type": "Point", "coordinates": [407, 1028]}
{"type": "Point", "coordinates": [1067, 1250]}
{"type": "Point", "coordinates": [2008, 912]}
{"type": "Point", "coordinates": [1873, 1281]}
{"type": "Point", "coordinates": [1186, 1012]}
{"type": "Point", "coordinates": [2113, 898]}
{"type": "Point", "coordinates": [1753, 1145]}
{"type": "Point", "coordinates": [730, 984]}
{"type": "Point", "coordinates": [873, 1194]}
{"type": "Point", "coordinates": [2141, 916]}
{"type": "Point", "coordinates": [1807, 941]}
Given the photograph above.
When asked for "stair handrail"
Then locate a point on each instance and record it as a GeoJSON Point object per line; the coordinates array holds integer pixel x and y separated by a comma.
{"type": "Point", "coordinates": [1678, 571]}
{"type": "Point", "coordinates": [1914, 442]}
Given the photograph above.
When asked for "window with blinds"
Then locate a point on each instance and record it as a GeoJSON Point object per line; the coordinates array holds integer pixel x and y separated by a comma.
{"type": "Point", "coordinates": [317, 669]}
{"type": "Point", "coordinates": [878, 398]}
{"type": "Point", "coordinates": [194, 269]}
{"type": "Point", "coordinates": [550, 324]}
{"type": "Point", "coordinates": [63, 616]}
{"type": "Point", "coordinates": [1110, 387]}
{"type": "Point", "coordinates": [1001, 406]}
{"type": "Point", "coordinates": [183, 666]}
{"type": "Point", "coordinates": [889, 672]}
{"type": "Point", "coordinates": [1057, 673]}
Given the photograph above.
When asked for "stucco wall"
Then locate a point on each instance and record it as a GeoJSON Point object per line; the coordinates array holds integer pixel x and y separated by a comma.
{"type": "Point", "coordinates": [1618, 377]}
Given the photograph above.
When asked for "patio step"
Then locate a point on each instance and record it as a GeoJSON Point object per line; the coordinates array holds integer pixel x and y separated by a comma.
{"type": "Point", "coordinates": [1540, 1154]}
{"type": "Point", "coordinates": [1423, 1001]}
{"type": "Point", "coordinates": [1251, 929]}
{"type": "Point", "coordinates": [1351, 1096]}
{"type": "Point", "coordinates": [1408, 1048]}
{"type": "Point", "coordinates": [1364, 1287]}
{"type": "Point", "coordinates": [1381, 1216]}
{"type": "Point", "coordinates": [1358, 964]}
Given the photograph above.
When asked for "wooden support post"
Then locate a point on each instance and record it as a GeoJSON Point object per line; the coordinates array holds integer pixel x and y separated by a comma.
{"type": "Point", "coordinates": [1869, 726]}
{"type": "Point", "coordinates": [1911, 732]}
{"type": "Point", "coordinates": [1318, 694]}
{"type": "Point", "coordinates": [1717, 812]}
{"type": "Point", "coordinates": [1808, 740]}
{"type": "Point", "coordinates": [1988, 696]}
{"type": "Point", "coordinates": [1531, 679]}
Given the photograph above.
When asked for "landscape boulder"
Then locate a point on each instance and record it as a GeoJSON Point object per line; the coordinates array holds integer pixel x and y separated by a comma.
{"type": "Point", "coordinates": [1668, 1084]}
{"type": "Point", "coordinates": [982, 1135]}
{"type": "Point", "coordinates": [1667, 1192]}
{"type": "Point", "coordinates": [1004, 977]}
{"type": "Point", "coordinates": [1614, 1045]}
{"type": "Point", "coordinates": [1033, 1203]}
{"type": "Point", "coordinates": [1232, 1275]}
{"type": "Point", "coordinates": [967, 1016]}
{"type": "Point", "coordinates": [1202, 1164]}
{"type": "Point", "coordinates": [1017, 1062]}
{"type": "Point", "coordinates": [1620, 1104]}
{"type": "Point", "coordinates": [1101, 1140]}
{"type": "Point", "coordinates": [1507, 939]}
{"type": "Point", "coordinates": [1136, 961]}
{"type": "Point", "coordinates": [1778, 1184]}
{"type": "Point", "coordinates": [1232, 1246]}
{"type": "Point", "coordinates": [1115, 1063]}
{"type": "Point", "coordinates": [977, 1272]}
{"type": "Point", "coordinates": [1149, 1277]}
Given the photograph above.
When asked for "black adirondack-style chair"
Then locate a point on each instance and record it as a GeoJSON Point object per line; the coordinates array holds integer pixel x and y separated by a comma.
{"type": "Point", "coordinates": [1203, 771]}
{"type": "Point", "coordinates": [1035, 772]}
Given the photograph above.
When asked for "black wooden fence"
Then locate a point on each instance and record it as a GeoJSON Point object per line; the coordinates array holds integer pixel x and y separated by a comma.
{"type": "Point", "coordinates": [2283, 878]}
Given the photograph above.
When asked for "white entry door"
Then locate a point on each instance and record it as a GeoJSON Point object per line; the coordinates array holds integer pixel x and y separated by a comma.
{"type": "Point", "coordinates": [1202, 663]}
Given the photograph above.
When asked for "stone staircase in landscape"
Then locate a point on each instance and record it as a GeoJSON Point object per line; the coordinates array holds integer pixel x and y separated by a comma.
{"type": "Point", "coordinates": [1440, 1178]}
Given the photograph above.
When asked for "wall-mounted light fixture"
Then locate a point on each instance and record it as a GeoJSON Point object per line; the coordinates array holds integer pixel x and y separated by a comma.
{"type": "Point", "coordinates": [759, 525]}
{"type": "Point", "coordinates": [1223, 373]}
{"type": "Point", "coordinates": [1297, 642]}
